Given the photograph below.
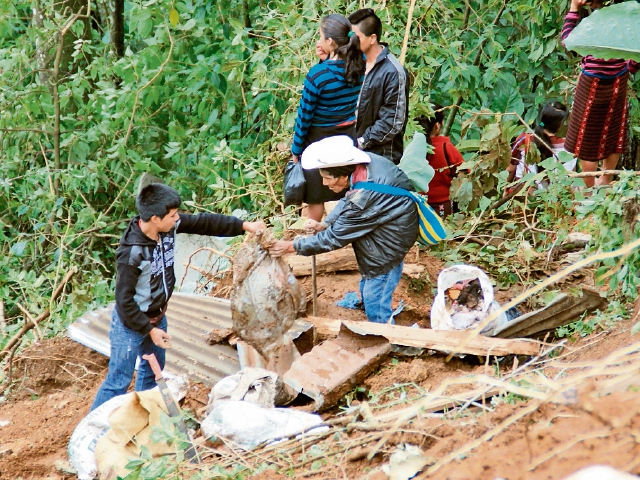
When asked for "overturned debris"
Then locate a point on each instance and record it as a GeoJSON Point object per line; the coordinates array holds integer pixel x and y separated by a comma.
{"type": "Point", "coordinates": [561, 311]}
{"type": "Point", "coordinates": [334, 367]}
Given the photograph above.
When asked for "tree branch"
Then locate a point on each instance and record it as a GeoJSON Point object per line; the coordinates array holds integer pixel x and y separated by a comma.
{"type": "Point", "coordinates": [44, 315]}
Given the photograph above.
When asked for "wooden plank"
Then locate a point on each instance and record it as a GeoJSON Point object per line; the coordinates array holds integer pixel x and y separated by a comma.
{"type": "Point", "coordinates": [444, 341]}
{"type": "Point", "coordinates": [440, 340]}
{"type": "Point", "coordinates": [340, 260]}
{"type": "Point", "coordinates": [325, 326]}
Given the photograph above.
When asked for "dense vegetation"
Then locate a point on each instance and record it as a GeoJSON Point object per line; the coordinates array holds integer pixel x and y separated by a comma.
{"type": "Point", "coordinates": [204, 94]}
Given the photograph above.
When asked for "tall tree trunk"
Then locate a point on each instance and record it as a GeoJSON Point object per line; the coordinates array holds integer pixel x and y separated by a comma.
{"type": "Point", "coordinates": [44, 73]}
{"type": "Point", "coordinates": [117, 28]}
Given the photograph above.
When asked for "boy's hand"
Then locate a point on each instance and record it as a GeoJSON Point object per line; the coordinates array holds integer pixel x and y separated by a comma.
{"type": "Point", "coordinates": [161, 338]}
{"type": "Point", "coordinates": [253, 227]}
{"type": "Point", "coordinates": [281, 247]}
{"type": "Point", "coordinates": [312, 226]}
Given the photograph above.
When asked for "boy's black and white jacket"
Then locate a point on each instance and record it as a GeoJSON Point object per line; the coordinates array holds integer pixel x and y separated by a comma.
{"type": "Point", "coordinates": [145, 276]}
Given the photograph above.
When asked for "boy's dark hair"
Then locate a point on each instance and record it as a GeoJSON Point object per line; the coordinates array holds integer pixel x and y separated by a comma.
{"type": "Point", "coordinates": [156, 199]}
{"type": "Point", "coordinates": [337, 172]}
{"type": "Point", "coordinates": [427, 123]}
{"type": "Point", "coordinates": [551, 118]}
{"type": "Point", "coordinates": [338, 28]}
{"type": "Point", "coordinates": [367, 21]}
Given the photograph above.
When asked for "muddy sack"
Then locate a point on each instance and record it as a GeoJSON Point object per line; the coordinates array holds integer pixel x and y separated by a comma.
{"type": "Point", "coordinates": [266, 298]}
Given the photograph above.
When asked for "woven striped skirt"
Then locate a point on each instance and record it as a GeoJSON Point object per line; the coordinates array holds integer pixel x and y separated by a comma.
{"type": "Point", "coordinates": [598, 125]}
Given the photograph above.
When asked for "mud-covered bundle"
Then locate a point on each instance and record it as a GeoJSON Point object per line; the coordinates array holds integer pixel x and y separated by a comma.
{"type": "Point", "coordinates": [266, 297]}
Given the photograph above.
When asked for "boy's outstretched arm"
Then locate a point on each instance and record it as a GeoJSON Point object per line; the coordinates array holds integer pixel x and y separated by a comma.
{"type": "Point", "coordinates": [253, 227]}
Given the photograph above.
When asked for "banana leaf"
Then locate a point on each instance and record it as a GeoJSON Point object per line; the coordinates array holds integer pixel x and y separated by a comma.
{"type": "Point", "coordinates": [414, 163]}
{"type": "Point", "coordinates": [610, 32]}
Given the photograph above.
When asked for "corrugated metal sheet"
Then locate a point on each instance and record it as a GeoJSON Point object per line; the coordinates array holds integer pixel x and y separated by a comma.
{"type": "Point", "coordinates": [191, 318]}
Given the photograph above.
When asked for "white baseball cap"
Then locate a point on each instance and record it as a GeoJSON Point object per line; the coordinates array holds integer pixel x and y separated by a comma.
{"type": "Point", "coordinates": [329, 152]}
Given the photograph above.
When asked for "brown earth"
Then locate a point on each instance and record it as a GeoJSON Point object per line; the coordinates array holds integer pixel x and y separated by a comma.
{"type": "Point", "coordinates": [54, 383]}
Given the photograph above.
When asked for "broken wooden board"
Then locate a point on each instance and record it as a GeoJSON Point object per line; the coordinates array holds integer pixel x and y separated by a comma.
{"type": "Point", "coordinates": [340, 260]}
{"type": "Point", "coordinates": [441, 340]}
{"type": "Point", "coordinates": [334, 367]}
{"type": "Point", "coordinates": [561, 311]}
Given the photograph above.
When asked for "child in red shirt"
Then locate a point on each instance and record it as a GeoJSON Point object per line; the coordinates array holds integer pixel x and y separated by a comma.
{"type": "Point", "coordinates": [445, 159]}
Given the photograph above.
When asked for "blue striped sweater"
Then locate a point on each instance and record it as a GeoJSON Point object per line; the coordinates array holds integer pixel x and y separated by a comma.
{"type": "Point", "coordinates": [326, 100]}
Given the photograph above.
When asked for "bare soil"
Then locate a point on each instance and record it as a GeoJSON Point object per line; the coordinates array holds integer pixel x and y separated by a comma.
{"type": "Point", "coordinates": [55, 381]}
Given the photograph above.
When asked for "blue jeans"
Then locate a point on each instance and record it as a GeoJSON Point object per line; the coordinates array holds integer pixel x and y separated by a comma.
{"type": "Point", "coordinates": [126, 346]}
{"type": "Point", "coordinates": [376, 294]}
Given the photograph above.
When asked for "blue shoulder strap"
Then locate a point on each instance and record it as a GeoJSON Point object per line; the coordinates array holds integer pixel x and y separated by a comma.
{"type": "Point", "coordinates": [376, 187]}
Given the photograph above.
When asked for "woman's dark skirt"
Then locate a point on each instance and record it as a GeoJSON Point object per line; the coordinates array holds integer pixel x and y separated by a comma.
{"type": "Point", "coordinates": [315, 191]}
{"type": "Point", "coordinates": [599, 123]}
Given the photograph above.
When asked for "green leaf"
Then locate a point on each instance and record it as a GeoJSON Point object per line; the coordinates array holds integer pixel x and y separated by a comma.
{"type": "Point", "coordinates": [174, 17]}
{"type": "Point", "coordinates": [414, 163]}
{"type": "Point", "coordinates": [18, 248]}
{"type": "Point", "coordinates": [610, 32]}
{"type": "Point", "coordinates": [189, 25]}
{"type": "Point", "coordinates": [144, 27]}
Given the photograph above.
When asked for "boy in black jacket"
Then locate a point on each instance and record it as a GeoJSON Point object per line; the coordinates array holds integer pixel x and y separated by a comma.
{"type": "Point", "coordinates": [145, 281]}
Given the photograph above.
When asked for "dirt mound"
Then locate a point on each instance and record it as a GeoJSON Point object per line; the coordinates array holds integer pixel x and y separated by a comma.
{"type": "Point", "coordinates": [54, 384]}
{"type": "Point", "coordinates": [53, 365]}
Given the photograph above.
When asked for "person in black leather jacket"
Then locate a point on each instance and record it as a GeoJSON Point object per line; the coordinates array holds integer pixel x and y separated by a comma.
{"type": "Point", "coordinates": [383, 107]}
{"type": "Point", "coordinates": [382, 227]}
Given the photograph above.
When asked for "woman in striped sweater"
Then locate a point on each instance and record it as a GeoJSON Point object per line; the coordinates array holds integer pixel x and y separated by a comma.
{"type": "Point", "coordinates": [329, 101]}
{"type": "Point", "coordinates": [598, 127]}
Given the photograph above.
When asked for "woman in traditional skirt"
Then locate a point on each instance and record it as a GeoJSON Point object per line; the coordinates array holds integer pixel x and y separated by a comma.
{"type": "Point", "coordinates": [329, 101]}
{"type": "Point", "coordinates": [599, 125]}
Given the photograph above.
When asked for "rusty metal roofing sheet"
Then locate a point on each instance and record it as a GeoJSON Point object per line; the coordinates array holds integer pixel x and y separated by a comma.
{"type": "Point", "coordinates": [191, 317]}
{"type": "Point", "coordinates": [334, 367]}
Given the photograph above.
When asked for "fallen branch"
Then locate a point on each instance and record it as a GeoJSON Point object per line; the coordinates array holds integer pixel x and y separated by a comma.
{"type": "Point", "coordinates": [44, 315]}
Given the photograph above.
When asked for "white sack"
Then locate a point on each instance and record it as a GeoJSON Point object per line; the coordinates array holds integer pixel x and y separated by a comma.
{"type": "Point", "coordinates": [443, 319]}
{"type": "Point", "coordinates": [248, 425]}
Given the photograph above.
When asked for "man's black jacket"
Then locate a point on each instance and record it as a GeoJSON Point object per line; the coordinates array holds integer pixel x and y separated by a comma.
{"type": "Point", "coordinates": [382, 227]}
{"type": "Point", "coordinates": [383, 107]}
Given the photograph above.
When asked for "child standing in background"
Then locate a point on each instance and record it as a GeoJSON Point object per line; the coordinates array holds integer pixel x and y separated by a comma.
{"type": "Point", "coordinates": [445, 159]}
{"type": "Point", "coordinates": [550, 120]}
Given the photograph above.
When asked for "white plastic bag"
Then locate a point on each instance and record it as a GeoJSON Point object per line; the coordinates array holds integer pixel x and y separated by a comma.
{"type": "Point", "coordinates": [254, 385]}
{"type": "Point", "coordinates": [442, 318]}
{"type": "Point", "coordinates": [248, 425]}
